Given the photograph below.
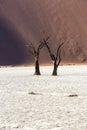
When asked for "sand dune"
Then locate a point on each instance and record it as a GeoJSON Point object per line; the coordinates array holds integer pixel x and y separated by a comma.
{"type": "Point", "coordinates": [23, 21]}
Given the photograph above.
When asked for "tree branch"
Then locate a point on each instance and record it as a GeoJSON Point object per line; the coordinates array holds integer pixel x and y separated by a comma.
{"type": "Point", "coordinates": [58, 50]}
{"type": "Point", "coordinates": [50, 52]}
{"type": "Point", "coordinates": [59, 58]}
{"type": "Point", "coordinates": [45, 42]}
{"type": "Point", "coordinates": [40, 47]}
{"type": "Point", "coordinates": [32, 48]}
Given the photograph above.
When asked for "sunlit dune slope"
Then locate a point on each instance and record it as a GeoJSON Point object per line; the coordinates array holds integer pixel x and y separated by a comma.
{"type": "Point", "coordinates": [22, 21]}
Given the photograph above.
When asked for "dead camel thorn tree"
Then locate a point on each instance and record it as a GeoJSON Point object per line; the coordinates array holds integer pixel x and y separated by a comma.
{"type": "Point", "coordinates": [56, 59]}
{"type": "Point", "coordinates": [36, 53]}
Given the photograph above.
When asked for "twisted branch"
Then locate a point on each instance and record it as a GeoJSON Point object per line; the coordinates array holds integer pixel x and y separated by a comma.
{"type": "Point", "coordinates": [58, 50]}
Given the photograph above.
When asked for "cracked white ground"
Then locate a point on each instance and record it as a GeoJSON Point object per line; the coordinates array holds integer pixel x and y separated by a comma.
{"type": "Point", "coordinates": [29, 102]}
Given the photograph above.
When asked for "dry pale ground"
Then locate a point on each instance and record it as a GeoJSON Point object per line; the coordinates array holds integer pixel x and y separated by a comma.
{"type": "Point", "coordinates": [29, 102]}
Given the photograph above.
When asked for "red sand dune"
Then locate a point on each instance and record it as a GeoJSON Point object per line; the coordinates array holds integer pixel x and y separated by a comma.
{"type": "Point", "coordinates": [22, 21]}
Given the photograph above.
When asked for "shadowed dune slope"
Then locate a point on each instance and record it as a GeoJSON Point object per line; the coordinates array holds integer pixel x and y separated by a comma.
{"type": "Point", "coordinates": [22, 21]}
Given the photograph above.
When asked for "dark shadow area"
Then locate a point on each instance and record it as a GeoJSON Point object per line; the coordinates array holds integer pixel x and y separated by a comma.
{"type": "Point", "coordinates": [12, 48]}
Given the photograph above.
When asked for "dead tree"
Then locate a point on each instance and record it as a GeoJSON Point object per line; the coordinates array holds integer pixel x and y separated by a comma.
{"type": "Point", "coordinates": [56, 59]}
{"type": "Point", "coordinates": [36, 53]}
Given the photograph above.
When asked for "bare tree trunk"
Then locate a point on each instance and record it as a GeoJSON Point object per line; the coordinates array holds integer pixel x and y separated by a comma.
{"type": "Point", "coordinates": [37, 69]}
{"type": "Point", "coordinates": [35, 51]}
{"type": "Point", "coordinates": [55, 68]}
